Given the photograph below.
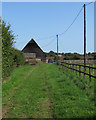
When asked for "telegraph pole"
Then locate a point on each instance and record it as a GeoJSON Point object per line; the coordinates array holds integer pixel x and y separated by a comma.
{"type": "Point", "coordinates": [57, 44]}
{"type": "Point", "coordinates": [84, 37]}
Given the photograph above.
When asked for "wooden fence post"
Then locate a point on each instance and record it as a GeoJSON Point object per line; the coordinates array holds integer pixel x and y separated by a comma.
{"type": "Point", "coordinates": [76, 69]}
{"type": "Point", "coordinates": [72, 68]}
{"type": "Point", "coordinates": [89, 73]}
{"type": "Point", "coordinates": [79, 70]}
{"type": "Point", "coordinates": [84, 71]}
{"type": "Point", "coordinates": [93, 69]}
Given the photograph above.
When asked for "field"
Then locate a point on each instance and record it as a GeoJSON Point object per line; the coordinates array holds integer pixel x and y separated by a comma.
{"type": "Point", "coordinates": [47, 91]}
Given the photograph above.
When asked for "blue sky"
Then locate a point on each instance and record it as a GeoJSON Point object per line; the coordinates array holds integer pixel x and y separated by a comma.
{"type": "Point", "coordinates": [42, 20]}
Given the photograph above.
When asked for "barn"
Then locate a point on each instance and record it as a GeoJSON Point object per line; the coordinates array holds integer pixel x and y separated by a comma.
{"type": "Point", "coordinates": [32, 51]}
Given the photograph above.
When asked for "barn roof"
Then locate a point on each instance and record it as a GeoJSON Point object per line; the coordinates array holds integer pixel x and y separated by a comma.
{"type": "Point", "coordinates": [32, 41]}
{"type": "Point", "coordinates": [32, 47]}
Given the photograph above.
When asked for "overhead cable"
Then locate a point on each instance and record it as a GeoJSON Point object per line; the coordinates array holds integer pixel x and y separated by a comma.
{"type": "Point", "coordinates": [46, 37]}
{"type": "Point", "coordinates": [72, 22]}
{"type": "Point", "coordinates": [89, 3]}
{"type": "Point", "coordinates": [49, 42]}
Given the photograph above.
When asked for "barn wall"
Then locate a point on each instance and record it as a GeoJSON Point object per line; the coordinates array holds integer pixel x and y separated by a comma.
{"type": "Point", "coordinates": [32, 48]}
{"type": "Point", "coordinates": [29, 55]}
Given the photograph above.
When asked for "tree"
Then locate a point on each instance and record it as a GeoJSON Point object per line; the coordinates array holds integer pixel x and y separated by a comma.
{"type": "Point", "coordinates": [63, 54]}
{"type": "Point", "coordinates": [52, 54]}
{"type": "Point", "coordinates": [7, 43]}
{"type": "Point", "coordinates": [76, 57]}
{"type": "Point", "coordinates": [56, 58]}
{"type": "Point", "coordinates": [10, 55]}
{"type": "Point", "coordinates": [94, 55]}
{"type": "Point", "coordinates": [0, 37]}
{"type": "Point", "coordinates": [89, 54]}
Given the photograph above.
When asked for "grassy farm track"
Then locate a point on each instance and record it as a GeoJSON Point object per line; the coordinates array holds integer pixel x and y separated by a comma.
{"type": "Point", "coordinates": [46, 91]}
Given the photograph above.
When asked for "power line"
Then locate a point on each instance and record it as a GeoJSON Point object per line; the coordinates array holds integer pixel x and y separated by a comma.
{"type": "Point", "coordinates": [67, 28]}
{"type": "Point", "coordinates": [49, 37]}
{"type": "Point", "coordinates": [49, 43]}
{"type": "Point", "coordinates": [72, 21]}
{"type": "Point", "coordinates": [89, 3]}
{"type": "Point", "coordinates": [46, 37]}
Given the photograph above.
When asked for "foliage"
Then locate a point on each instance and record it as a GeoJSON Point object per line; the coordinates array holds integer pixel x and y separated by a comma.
{"type": "Point", "coordinates": [63, 53]}
{"type": "Point", "coordinates": [94, 55]}
{"type": "Point", "coordinates": [51, 54]}
{"type": "Point", "coordinates": [72, 56]}
{"type": "Point", "coordinates": [7, 43]}
{"type": "Point", "coordinates": [76, 57]}
{"type": "Point", "coordinates": [10, 56]}
{"type": "Point", "coordinates": [0, 42]}
{"type": "Point", "coordinates": [18, 57]}
{"type": "Point", "coordinates": [56, 58]}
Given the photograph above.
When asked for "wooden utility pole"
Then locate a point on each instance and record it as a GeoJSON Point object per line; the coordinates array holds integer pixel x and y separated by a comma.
{"type": "Point", "coordinates": [57, 44]}
{"type": "Point", "coordinates": [84, 37]}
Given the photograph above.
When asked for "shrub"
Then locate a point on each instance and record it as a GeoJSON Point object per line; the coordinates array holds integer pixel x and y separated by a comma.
{"type": "Point", "coordinates": [10, 55]}
{"type": "Point", "coordinates": [7, 43]}
{"type": "Point", "coordinates": [18, 57]}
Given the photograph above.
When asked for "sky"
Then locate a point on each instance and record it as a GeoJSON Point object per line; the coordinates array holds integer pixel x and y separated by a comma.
{"type": "Point", "coordinates": [95, 27]}
{"type": "Point", "coordinates": [43, 21]}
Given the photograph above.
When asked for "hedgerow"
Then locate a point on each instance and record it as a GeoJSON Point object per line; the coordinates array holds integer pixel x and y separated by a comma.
{"type": "Point", "coordinates": [10, 56]}
{"type": "Point", "coordinates": [18, 57]}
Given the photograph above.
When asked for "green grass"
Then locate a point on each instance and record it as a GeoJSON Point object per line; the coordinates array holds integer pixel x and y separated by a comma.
{"type": "Point", "coordinates": [16, 77]}
{"type": "Point", "coordinates": [68, 97]}
{"type": "Point", "coordinates": [47, 91]}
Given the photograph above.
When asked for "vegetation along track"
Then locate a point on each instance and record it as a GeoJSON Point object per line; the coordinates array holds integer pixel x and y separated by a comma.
{"type": "Point", "coordinates": [47, 91]}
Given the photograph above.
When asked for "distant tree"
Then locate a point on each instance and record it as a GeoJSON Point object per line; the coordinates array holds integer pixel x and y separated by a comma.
{"type": "Point", "coordinates": [89, 54]}
{"type": "Point", "coordinates": [56, 58]}
{"type": "Point", "coordinates": [63, 53]}
{"type": "Point", "coordinates": [52, 54]}
{"type": "Point", "coordinates": [76, 57]}
{"type": "Point", "coordinates": [94, 55]}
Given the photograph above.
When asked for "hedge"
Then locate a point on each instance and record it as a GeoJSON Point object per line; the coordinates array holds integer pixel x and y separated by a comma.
{"type": "Point", "coordinates": [10, 56]}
